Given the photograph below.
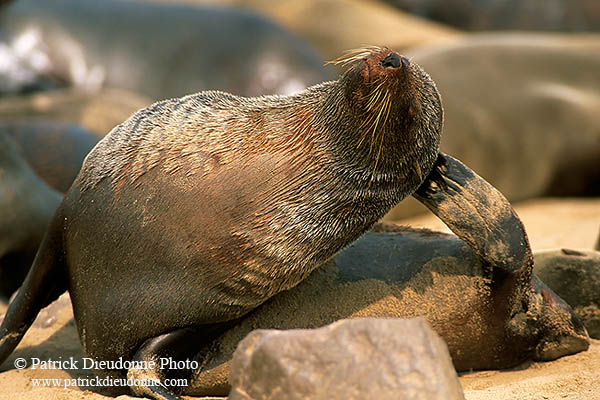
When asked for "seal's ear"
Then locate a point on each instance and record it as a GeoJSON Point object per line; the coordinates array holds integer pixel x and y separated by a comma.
{"type": "Point", "coordinates": [478, 214]}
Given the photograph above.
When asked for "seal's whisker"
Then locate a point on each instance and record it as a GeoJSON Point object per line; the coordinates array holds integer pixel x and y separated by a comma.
{"type": "Point", "coordinates": [381, 107]}
{"type": "Point", "coordinates": [362, 139]}
{"type": "Point", "coordinates": [387, 106]}
{"type": "Point", "coordinates": [353, 55]}
{"type": "Point", "coordinates": [377, 94]}
{"type": "Point", "coordinates": [373, 103]}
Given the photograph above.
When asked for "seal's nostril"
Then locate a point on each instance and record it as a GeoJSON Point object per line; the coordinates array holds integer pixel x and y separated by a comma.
{"type": "Point", "coordinates": [393, 61]}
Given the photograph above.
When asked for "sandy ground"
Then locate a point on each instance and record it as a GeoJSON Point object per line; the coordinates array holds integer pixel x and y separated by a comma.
{"type": "Point", "coordinates": [575, 377]}
{"type": "Point", "coordinates": [570, 223]}
{"type": "Point", "coordinates": [550, 223]}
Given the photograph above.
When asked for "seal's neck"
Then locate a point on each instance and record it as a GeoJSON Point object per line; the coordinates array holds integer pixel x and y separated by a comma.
{"type": "Point", "coordinates": [377, 149]}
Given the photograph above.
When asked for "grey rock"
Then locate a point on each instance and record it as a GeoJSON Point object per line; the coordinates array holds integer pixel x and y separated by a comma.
{"type": "Point", "coordinates": [364, 358]}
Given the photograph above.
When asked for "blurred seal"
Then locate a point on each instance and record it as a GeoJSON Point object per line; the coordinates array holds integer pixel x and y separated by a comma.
{"type": "Point", "coordinates": [486, 15]}
{"type": "Point", "coordinates": [97, 112]}
{"type": "Point", "coordinates": [27, 205]}
{"type": "Point", "coordinates": [575, 276]}
{"type": "Point", "coordinates": [55, 150]}
{"type": "Point", "coordinates": [157, 50]}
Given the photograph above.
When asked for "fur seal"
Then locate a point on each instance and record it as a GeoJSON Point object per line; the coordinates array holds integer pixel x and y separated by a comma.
{"type": "Point", "coordinates": [214, 203]}
{"type": "Point", "coordinates": [122, 44]}
{"type": "Point", "coordinates": [54, 150]}
{"type": "Point", "coordinates": [537, 134]}
{"type": "Point", "coordinates": [27, 205]}
{"type": "Point", "coordinates": [479, 293]}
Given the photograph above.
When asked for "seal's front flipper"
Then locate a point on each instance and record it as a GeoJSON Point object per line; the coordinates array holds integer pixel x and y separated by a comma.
{"type": "Point", "coordinates": [477, 213]}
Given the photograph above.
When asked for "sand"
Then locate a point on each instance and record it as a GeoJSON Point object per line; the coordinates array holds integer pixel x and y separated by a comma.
{"type": "Point", "coordinates": [573, 377]}
{"type": "Point", "coordinates": [550, 223]}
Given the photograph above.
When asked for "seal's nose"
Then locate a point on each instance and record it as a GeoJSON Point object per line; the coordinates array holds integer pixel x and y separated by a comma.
{"type": "Point", "coordinates": [392, 61]}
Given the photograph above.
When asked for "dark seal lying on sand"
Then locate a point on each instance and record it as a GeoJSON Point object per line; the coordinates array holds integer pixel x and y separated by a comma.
{"type": "Point", "coordinates": [197, 210]}
{"type": "Point", "coordinates": [399, 272]}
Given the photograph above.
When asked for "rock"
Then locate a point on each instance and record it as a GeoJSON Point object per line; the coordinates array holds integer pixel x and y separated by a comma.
{"type": "Point", "coordinates": [365, 358]}
{"type": "Point", "coordinates": [575, 276]}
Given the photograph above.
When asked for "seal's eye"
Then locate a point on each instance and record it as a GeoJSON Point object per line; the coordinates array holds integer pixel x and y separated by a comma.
{"type": "Point", "coordinates": [393, 61]}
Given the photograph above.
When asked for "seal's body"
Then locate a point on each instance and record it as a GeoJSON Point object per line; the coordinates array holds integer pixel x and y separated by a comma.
{"type": "Point", "coordinates": [212, 203]}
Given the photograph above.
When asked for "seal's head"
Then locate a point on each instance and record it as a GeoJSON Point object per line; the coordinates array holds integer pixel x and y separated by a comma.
{"type": "Point", "coordinates": [562, 332]}
{"type": "Point", "coordinates": [548, 322]}
{"type": "Point", "coordinates": [396, 106]}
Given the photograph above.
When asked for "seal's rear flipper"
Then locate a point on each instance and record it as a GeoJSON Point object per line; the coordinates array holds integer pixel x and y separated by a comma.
{"type": "Point", "coordinates": [478, 214]}
{"type": "Point", "coordinates": [172, 357]}
{"type": "Point", "coordinates": [171, 346]}
{"type": "Point", "coordinates": [45, 282]}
